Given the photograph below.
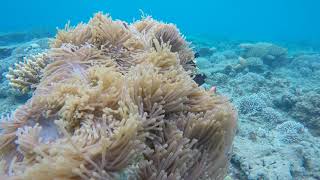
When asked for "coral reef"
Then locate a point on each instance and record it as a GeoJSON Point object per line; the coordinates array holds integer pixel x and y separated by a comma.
{"type": "Point", "coordinates": [271, 54]}
{"type": "Point", "coordinates": [6, 51]}
{"type": "Point", "coordinates": [203, 63]}
{"type": "Point", "coordinates": [26, 75]}
{"type": "Point", "coordinates": [307, 110]}
{"type": "Point", "coordinates": [19, 51]}
{"type": "Point", "coordinates": [205, 51]}
{"type": "Point", "coordinates": [290, 131]}
{"type": "Point", "coordinates": [251, 104]}
{"type": "Point", "coordinates": [116, 100]}
{"type": "Point", "coordinates": [277, 101]}
{"type": "Point", "coordinates": [272, 116]}
{"type": "Point", "coordinates": [11, 98]}
{"type": "Point", "coordinates": [13, 38]}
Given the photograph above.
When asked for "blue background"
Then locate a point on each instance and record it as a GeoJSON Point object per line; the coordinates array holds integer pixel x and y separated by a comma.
{"type": "Point", "coordinates": [264, 20]}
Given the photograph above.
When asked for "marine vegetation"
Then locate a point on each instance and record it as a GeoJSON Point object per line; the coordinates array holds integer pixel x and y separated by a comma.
{"type": "Point", "coordinates": [116, 100]}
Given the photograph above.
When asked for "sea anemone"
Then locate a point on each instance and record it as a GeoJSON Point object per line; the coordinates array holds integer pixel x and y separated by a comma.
{"type": "Point", "coordinates": [118, 101]}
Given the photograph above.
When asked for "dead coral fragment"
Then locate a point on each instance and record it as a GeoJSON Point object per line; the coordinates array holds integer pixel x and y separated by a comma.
{"type": "Point", "coordinates": [27, 74]}
{"type": "Point", "coordinates": [117, 101]}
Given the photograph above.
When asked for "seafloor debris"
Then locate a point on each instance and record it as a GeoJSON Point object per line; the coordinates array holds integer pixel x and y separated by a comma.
{"type": "Point", "coordinates": [115, 100]}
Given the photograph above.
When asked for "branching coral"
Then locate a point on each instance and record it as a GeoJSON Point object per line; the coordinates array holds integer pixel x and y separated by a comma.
{"type": "Point", "coordinates": [251, 104]}
{"type": "Point", "coordinates": [27, 74]}
{"type": "Point", "coordinates": [291, 132]}
{"type": "Point", "coordinates": [116, 100]}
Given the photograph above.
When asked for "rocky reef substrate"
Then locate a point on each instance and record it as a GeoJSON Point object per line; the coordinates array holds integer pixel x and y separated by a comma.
{"type": "Point", "coordinates": [276, 91]}
{"type": "Point", "coordinates": [14, 48]}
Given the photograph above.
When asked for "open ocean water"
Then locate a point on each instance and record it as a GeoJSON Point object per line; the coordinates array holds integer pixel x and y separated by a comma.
{"type": "Point", "coordinates": [264, 56]}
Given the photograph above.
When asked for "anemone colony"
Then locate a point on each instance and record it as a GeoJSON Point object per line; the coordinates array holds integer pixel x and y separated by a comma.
{"type": "Point", "coordinates": [116, 100]}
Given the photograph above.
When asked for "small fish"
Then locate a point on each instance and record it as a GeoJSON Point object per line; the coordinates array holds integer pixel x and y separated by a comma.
{"type": "Point", "coordinates": [213, 89]}
{"type": "Point", "coordinates": [200, 79]}
{"type": "Point", "coordinates": [196, 55]}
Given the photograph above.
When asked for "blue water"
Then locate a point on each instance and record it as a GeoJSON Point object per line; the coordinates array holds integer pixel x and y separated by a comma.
{"type": "Point", "coordinates": [274, 85]}
{"type": "Point", "coordinates": [263, 20]}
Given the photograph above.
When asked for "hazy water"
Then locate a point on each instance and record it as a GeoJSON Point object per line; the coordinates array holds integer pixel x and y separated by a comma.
{"type": "Point", "coordinates": [288, 21]}
{"type": "Point", "coordinates": [263, 20]}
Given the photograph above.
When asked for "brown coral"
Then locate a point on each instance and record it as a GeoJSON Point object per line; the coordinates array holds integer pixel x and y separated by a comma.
{"type": "Point", "coordinates": [27, 74]}
{"type": "Point", "coordinates": [116, 100]}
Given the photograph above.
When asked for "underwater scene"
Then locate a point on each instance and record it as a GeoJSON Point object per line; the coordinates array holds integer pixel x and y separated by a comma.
{"type": "Point", "coordinates": [160, 90]}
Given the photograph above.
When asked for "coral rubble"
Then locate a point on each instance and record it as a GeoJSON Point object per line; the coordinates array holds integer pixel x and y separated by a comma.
{"type": "Point", "coordinates": [116, 100]}
{"type": "Point", "coordinates": [277, 97]}
{"type": "Point", "coordinates": [307, 110]}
